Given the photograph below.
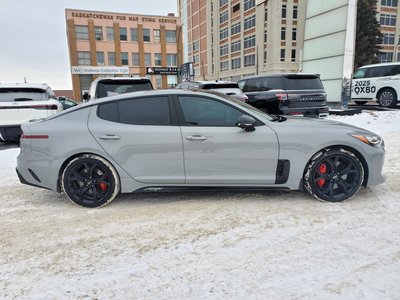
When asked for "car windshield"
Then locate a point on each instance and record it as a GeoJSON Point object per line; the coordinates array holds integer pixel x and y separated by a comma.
{"type": "Point", "coordinates": [106, 89]}
{"type": "Point", "coordinates": [303, 83]}
{"type": "Point", "coordinates": [21, 94]}
{"type": "Point", "coordinates": [256, 111]}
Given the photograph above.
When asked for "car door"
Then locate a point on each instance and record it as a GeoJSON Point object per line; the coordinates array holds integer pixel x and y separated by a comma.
{"type": "Point", "coordinates": [142, 135]}
{"type": "Point", "coordinates": [216, 151]}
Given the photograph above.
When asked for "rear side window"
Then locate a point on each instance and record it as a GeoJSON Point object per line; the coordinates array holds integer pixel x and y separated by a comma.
{"type": "Point", "coordinates": [382, 71]}
{"type": "Point", "coordinates": [22, 94]}
{"type": "Point", "coordinates": [304, 83]}
{"type": "Point", "coordinates": [261, 84]}
{"type": "Point", "coordinates": [115, 87]}
{"type": "Point", "coordinates": [143, 111]}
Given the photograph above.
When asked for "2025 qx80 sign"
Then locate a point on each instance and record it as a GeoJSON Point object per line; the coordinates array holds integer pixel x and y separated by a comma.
{"type": "Point", "coordinates": [162, 70]}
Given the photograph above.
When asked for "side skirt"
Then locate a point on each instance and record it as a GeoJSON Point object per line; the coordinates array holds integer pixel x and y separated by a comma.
{"type": "Point", "coordinates": [152, 189]}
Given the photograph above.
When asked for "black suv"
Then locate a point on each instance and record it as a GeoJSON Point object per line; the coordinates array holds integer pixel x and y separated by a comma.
{"type": "Point", "coordinates": [288, 93]}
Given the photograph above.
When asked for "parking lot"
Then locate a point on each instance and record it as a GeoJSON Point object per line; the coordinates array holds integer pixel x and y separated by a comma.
{"type": "Point", "coordinates": [205, 245]}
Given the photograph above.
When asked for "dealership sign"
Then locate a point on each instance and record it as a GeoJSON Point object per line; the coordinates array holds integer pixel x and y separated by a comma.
{"type": "Point", "coordinates": [99, 70]}
{"type": "Point", "coordinates": [162, 70]}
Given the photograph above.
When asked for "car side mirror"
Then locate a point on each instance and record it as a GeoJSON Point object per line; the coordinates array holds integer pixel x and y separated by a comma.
{"type": "Point", "coordinates": [246, 122]}
{"type": "Point", "coordinates": [86, 96]}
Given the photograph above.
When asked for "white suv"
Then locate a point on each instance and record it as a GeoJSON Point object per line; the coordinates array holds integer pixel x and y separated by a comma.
{"type": "Point", "coordinates": [21, 102]}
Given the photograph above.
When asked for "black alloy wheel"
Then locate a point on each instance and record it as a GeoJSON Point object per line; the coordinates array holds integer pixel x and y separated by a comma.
{"type": "Point", "coordinates": [334, 175]}
{"type": "Point", "coordinates": [387, 98]}
{"type": "Point", "coordinates": [90, 181]}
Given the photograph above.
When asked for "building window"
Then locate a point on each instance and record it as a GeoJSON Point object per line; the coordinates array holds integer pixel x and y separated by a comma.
{"type": "Point", "coordinates": [224, 65]}
{"type": "Point", "coordinates": [84, 58]}
{"type": "Point", "coordinates": [385, 57]}
{"type": "Point", "coordinates": [236, 63]}
{"type": "Point", "coordinates": [388, 39]}
{"type": "Point", "coordinates": [111, 58]}
{"type": "Point", "coordinates": [100, 58]}
{"type": "Point", "coordinates": [249, 4]}
{"type": "Point", "coordinates": [250, 60]}
{"type": "Point", "coordinates": [293, 58]}
{"type": "Point", "coordinates": [250, 22]}
{"type": "Point", "coordinates": [98, 33]}
{"type": "Point", "coordinates": [236, 8]}
{"type": "Point", "coordinates": [283, 33]}
{"type": "Point", "coordinates": [224, 50]}
{"type": "Point", "coordinates": [110, 34]}
{"type": "Point", "coordinates": [222, 2]}
{"type": "Point", "coordinates": [82, 32]}
{"type": "Point", "coordinates": [388, 20]}
{"type": "Point", "coordinates": [156, 35]}
{"type": "Point", "coordinates": [195, 46]}
{"type": "Point", "coordinates": [147, 59]}
{"type": "Point", "coordinates": [249, 41]}
{"type": "Point", "coordinates": [124, 59]}
{"type": "Point", "coordinates": [223, 17]}
{"type": "Point", "coordinates": [265, 56]}
{"type": "Point", "coordinates": [223, 33]}
{"type": "Point", "coordinates": [283, 11]}
{"type": "Point", "coordinates": [134, 35]}
{"type": "Point", "coordinates": [392, 3]}
{"type": "Point", "coordinates": [123, 35]}
{"type": "Point", "coordinates": [172, 81]}
{"type": "Point", "coordinates": [196, 59]}
{"type": "Point", "coordinates": [157, 59]}
{"type": "Point", "coordinates": [282, 54]}
{"type": "Point", "coordinates": [235, 28]}
{"type": "Point", "coordinates": [146, 35]}
{"type": "Point", "coordinates": [295, 12]}
{"type": "Point", "coordinates": [265, 36]}
{"type": "Point", "coordinates": [159, 81]}
{"type": "Point", "coordinates": [236, 46]}
{"type": "Point", "coordinates": [266, 15]}
{"type": "Point", "coordinates": [171, 60]}
{"type": "Point", "coordinates": [135, 59]}
{"type": "Point", "coordinates": [170, 36]}
{"type": "Point", "coordinates": [294, 34]}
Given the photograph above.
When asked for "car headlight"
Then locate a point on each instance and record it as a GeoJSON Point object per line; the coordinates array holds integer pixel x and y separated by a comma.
{"type": "Point", "coordinates": [372, 140]}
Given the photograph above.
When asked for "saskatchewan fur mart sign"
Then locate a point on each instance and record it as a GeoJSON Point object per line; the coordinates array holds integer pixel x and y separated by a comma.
{"type": "Point", "coordinates": [99, 70]}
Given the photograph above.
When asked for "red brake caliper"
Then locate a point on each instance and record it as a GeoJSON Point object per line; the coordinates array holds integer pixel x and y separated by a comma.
{"type": "Point", "coordinates": [322, 170]}
{"type": "Point", "coordinates": [103, 186]}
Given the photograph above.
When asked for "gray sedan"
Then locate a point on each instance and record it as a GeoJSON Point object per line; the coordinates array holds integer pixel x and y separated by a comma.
{"type": "Point", "coordinates": [178, 140]}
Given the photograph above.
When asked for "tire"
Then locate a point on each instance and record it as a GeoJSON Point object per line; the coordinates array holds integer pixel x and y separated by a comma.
{"type": "Point", "coordinates": [333, 175]}
{"type": "Point", "coordinates": [387, 98]}
{"type": "Point", "coordinates": [90, 181]}
{"type": "Point", "coordinates": [360, 102]}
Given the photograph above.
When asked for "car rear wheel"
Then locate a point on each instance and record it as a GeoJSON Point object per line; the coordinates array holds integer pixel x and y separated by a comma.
{"type": "Point", "coordinates": [387, 98]}
{"type": "Point", "coordinates": [90, 181]}
{"type": "Point", "coordinates": [333, 175]}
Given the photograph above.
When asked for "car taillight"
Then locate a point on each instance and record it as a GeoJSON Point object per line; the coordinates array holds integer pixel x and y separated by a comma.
{"type": "Point", "coordinates": [282, 97]}
{"type": "Point", "coordinates": [34, 136]}
{"type": "Point", "coordinates": [47, 107]}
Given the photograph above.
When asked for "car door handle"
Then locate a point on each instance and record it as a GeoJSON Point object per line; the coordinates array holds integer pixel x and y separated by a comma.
{"type": "Point", "coordinates": [109, 137]}
{"type": "Point", "coordinates": [196, 137]}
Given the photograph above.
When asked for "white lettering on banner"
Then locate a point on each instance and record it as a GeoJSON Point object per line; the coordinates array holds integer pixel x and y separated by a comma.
{"type": "Point", "coordinates": [99, 70]}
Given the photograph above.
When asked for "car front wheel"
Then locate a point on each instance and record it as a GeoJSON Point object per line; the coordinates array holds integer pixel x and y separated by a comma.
{"type": "Point", "coordinates": [333, 175]}
{"type": "Point", "coordinates": [90, 181]}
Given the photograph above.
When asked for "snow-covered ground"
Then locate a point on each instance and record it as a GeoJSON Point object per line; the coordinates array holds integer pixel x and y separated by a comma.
{"type": "Point", "coordinates": [261, 245]}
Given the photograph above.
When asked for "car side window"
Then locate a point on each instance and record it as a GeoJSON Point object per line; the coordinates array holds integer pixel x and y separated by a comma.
{"type": "Point", "coordinates": [143, 111]}
{"type": "Point", "coordinates": [199, 111]}
{"type": "Point", "coordinates": [375, 72]}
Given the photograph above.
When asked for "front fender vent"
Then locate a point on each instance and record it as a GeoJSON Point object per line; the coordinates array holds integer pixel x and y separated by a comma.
{"type": "Point", "coordinates": [282, 171]}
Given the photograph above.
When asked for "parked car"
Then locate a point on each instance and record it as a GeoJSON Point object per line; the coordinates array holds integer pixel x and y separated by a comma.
{"type": "Point", "coordinates": [380, 82]}
{"type": "Point", "coordinates": [224, 87]}
{"type": "Point", "coordinates": [178, 140]}
{"type": "Point", "coordinates": [20, 102]}
{"type": "Point", "coordinates": [111, 86]}
{"type": "Point", "coordinates": [66, 102]}
{"type": "Point", "coordinates": [286, 94]}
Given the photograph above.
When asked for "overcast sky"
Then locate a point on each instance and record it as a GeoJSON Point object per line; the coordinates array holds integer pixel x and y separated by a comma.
{"type": "Point", "coordinates": [33, 39]}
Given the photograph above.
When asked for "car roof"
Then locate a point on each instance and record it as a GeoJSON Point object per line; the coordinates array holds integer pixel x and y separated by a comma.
{"type": "Point", "coordinates": [41, 86]}
{"type": "Point", "coordinates": [121, 79]}
{"type": "Point", "coordinates": [280, 75]}
{"type": "Point", "coordinates": [380, 65]}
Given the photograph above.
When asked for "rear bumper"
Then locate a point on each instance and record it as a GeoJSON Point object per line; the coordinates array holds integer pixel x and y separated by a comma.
{"type": "Point", "coordinates": [322, 111]}
{"type": "Point", "coordinates": [10, 133]}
